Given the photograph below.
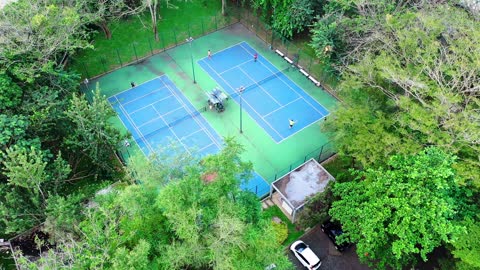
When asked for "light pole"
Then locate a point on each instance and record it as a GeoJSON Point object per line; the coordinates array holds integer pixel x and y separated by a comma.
{"type": "Point", "coordinates": [240, 90]}
{"type": "Point", "coordinates": [190, 40]}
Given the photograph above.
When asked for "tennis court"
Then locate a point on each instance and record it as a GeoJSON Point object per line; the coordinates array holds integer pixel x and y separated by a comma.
{"type": "Point", "coordinates": [157, 113]}
{"type": "Point", "coordinates": [266, 93]}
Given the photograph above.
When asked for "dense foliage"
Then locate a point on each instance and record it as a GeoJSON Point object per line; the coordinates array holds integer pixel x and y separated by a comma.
{"type": "Point", "coordinates": [185, 223]}
{"type": "Point", "coordinates": [50, 137]}
{"type": "Point", "coordinates": [287, 17]}
{"type": "Point", "coordinates": [404, 210]}
{"type": "Point", "coordinates": [409, 79]}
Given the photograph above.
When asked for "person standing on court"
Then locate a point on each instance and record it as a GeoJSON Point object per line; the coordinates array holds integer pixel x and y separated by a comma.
{"type": "Point", "coordinates": [209, 54]}
{"type": "Point", "coordinates": [132, 84]}
{"type": "Point", "coordinates": [255, 56]}
{"type": "Point", "coordinates": [291, 123]}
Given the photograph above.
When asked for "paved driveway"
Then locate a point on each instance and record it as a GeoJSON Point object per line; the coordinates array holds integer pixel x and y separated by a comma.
{"type": "Point", "coordinates": [330, 257]}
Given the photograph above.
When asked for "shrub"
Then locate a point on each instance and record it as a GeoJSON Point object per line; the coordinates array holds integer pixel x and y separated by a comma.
{"type": "Point", "coordinates": [281, 231]}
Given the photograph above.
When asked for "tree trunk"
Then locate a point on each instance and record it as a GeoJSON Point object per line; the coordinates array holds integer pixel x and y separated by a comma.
{"type": "Point", "coordinates": [155, 31]}
{"type": "Point", "coordinates": [106, 30]}
{"type": "Point", "coordinates": [224, 7]}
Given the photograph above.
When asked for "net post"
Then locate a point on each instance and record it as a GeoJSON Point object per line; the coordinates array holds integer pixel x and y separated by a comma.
{"type": "Point", "coordinates": [118, 56]}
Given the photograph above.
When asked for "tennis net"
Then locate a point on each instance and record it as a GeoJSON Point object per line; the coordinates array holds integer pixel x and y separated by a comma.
{"type": "Point", "coordinates": [278, 74]}
{"type": "Point", "coordinates": [190, 115]}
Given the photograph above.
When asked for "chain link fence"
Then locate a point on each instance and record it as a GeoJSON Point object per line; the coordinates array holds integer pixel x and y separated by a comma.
{"type": "Point", "coordinates": [320, 154]}
{"type": "Point", "coordinates": [136, 50]}
{"type": "Point", "coordinates": [303, 57]}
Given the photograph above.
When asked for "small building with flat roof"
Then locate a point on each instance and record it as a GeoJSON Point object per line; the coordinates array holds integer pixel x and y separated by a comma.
{"type": "Point", "coordinates": [292, 191]}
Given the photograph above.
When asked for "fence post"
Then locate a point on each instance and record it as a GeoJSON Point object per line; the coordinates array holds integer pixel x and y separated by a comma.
{"type": "Point", "coordinates": [271, 43]}
{"type": "Point", "coordinates": [203, 29]}
{"type": "Point", "coordinates": [119, 59]}
{"type": "Point", "coordinates": [320, 155]}
{"type": "Point", "coordinates": [86, 70]}
{"type": "Point", "coordinates": [216, 26]}
{"type": "Point", "coordinates": [150, 43]}
{"type": "Point", "coordinates": [102, 59]}
{"type": "Point", "coordinates": [163, 40]}
{"type": "Point", "coordinates": [175, 36]}
{"type": "Point", "coordinates": [135, 50]}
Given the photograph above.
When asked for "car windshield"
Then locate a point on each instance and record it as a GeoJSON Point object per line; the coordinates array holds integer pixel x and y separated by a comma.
{"type": "Point", "coordinates": [337, 232]}
{"type": "Point", "coordinates": [300, 247]}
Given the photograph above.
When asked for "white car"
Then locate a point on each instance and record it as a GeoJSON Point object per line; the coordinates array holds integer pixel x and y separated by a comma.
{"type": "Point", "coordinates": [305, 255]}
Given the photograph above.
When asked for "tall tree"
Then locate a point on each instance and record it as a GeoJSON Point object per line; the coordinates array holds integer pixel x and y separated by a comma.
{"type": "Point", "coordinates": [104, 12]}
{"type": "Point", "coordinates": [152, 6]}
{"type": "Point", "coordinates": [405, 210]}
{"type": "Point", "coordinates": [181, 223]}
{"type": "Point", "coordinates": [288, 17]}
{"type": "Point", "coordinates": [31, 180]}
{"type": "Point", "coordinates": [426, 66]}
{"type": "Point", "coordinates": [39, 32]}
{"type": "Point", "coordinates": [93, 137]}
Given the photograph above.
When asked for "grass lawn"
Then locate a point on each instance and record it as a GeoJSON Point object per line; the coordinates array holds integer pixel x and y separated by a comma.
{"type": "Point", "coordinates": [293, 233]}
{"type": "Point", "coordinates": [133, 38]}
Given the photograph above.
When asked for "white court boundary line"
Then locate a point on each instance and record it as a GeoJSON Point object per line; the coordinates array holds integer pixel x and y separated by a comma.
{"type": "Point", "coordinates": [289, 80]}
{"type": "Point", "coordinates": [261, 87]}
{"type": "Point", "coordinates": [140, 97]}
{"type": "Point", "coordinates": [159, 115]}
{"type": "Point", "coordinates": [323, 115]}
{"type": "Point", "coordinates": [266, 122]}
{"type": "Point", "coordinates": [129, 89]}
{"type": "Point", "coordinates": [174, 134]}
{"type": "Point", "coordinates": [137, 110]}
{"type": "Point", "coordinates": [191, 114]}
{"type": "Point", "coordinates": [136, 128]}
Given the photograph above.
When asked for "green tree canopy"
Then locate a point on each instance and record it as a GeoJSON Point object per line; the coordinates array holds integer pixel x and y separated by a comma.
{"type": "Point", "coordinates": [183, 222]}
{"type": "Point", "coordinates": [404, 210]}
{"type": "Point", "coordinates": [411, 80]}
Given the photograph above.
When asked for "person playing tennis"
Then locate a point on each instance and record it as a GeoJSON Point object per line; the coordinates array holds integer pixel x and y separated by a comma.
{"type": "Point", "coordinates": [291, 123]}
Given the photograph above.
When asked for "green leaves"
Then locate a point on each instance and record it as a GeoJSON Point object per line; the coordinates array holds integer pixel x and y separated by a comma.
{"type": "Point", "coordinates": [92, 134]}
{"type": "Point", "coordinates": [406, 210]}
{"type": "Point", "coordinates": [10, 92]}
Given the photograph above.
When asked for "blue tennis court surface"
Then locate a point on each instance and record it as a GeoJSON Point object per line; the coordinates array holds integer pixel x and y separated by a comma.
{"type": "Point", "coordinates": [157, 114]}
{"type": "Point", "coordinates": [270, 97]}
